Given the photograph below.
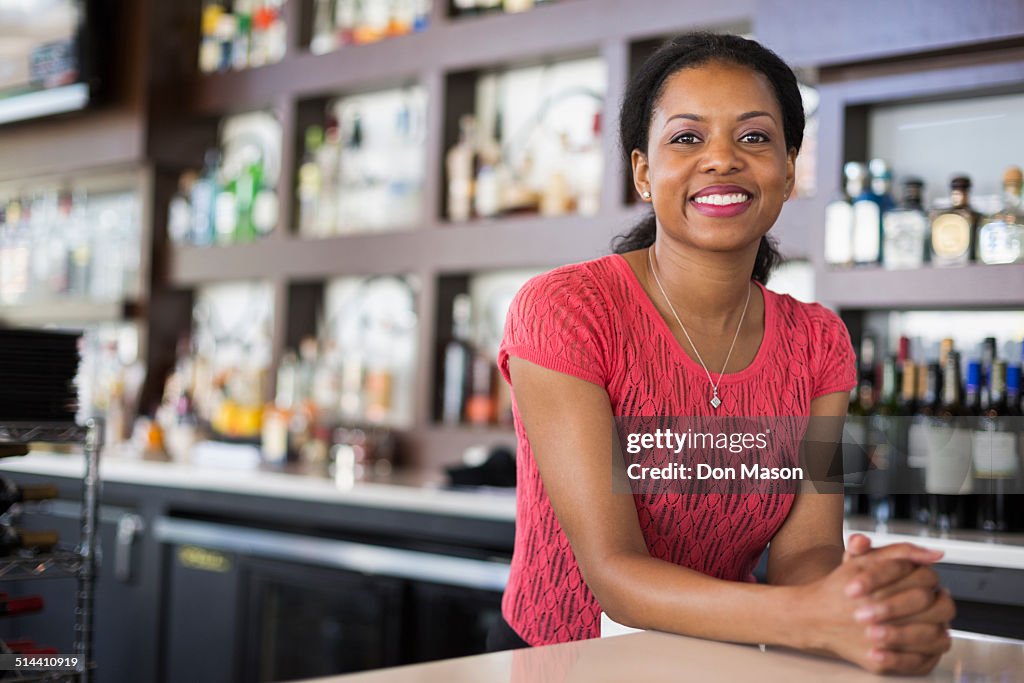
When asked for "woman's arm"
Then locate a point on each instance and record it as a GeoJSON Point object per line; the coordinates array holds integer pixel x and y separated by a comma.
{"type": "Point", "coordinates": [809, 544]}
{"type": "Point", "coordinates": [569, 424]}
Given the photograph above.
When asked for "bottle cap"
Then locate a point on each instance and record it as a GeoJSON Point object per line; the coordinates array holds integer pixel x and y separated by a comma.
{"type": "Point", "coordinates": [854, 170]}
{"type": "Point", "coordinates": [1013, 176]}
{"type": "Point", "coordinates": [880, 169]}
{"type": "Point", "coordinates": [960, 182]}
{"type": "Point", "coordinates": [913, 181]}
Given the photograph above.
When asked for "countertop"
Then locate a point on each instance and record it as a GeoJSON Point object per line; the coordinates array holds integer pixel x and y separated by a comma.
{"type": "Point", "coordinates": [651, 657]}
{"type": "Point", "coordinates": [411, 491]}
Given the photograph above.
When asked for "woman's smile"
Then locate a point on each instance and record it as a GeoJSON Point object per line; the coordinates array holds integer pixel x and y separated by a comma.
{"type": "Point", "coordinates": [722, 201]}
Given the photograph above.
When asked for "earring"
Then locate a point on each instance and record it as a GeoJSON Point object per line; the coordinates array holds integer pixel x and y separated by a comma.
{"type": "Point", "coordinates": [646, 194]}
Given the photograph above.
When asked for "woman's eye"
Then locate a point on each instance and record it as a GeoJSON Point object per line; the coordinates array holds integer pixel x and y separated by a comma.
{"type": "Point", "coordinates": [754, 137]}
{"type": "Point", "coordinates": [685, 138]}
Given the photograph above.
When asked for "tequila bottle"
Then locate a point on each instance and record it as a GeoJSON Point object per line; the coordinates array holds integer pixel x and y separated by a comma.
{"type": "Point", "coordinates": [1001, 236]}
{"type": "Point", "coordinates": [953, 230]}
{"type": "Point", "coordinates": [905, 230]}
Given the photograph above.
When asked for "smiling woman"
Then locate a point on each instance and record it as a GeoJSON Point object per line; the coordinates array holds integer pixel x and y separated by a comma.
{"type": "Point", "coordinates": [679, 322]}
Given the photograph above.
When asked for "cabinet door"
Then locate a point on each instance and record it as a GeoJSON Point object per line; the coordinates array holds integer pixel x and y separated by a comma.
{"type": "Point", "coordinates": [304, 621]}
{"type": "Point", "coordinates": [450, 621]}
{"type": "Point", "coordinates": [122, 616]}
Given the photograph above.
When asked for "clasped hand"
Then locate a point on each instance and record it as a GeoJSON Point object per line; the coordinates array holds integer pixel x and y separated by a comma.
{"type": "Point", "coordinates": [883, 609]}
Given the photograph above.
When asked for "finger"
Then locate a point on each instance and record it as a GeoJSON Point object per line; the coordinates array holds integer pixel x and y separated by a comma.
{"type": "Point", "coordinates": [926, 666]}
{"type": "Point", "coordinates": [858, 544]}
{"type": "Point", "coordinates": [941, 611]}
{"type": "Point", "coordinates": [874, 574]}
{"type": "Point", "coordinates": [905, 551]}
{"type": "Point", "coordinates": [920, 577]}
{"type": "Point", "coordinates": [913, 602]}
{"type": "Point", "coordinates": [925, 639]}
{"type": "Point", "coordinates": [891, 661]}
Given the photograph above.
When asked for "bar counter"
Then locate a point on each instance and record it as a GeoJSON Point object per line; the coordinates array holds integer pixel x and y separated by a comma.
{"type": "Point", "coordinates": [653, 657]}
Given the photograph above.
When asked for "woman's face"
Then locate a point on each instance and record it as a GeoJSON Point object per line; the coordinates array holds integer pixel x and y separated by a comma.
{"type": "Point", "coordinates": [716, 162]}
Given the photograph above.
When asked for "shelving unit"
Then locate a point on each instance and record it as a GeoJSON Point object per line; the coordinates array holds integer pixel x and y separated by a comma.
{"type": "Point", "coordinates": [79, 563]}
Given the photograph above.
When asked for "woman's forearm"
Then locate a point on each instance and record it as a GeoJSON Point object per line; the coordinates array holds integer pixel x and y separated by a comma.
{"type": "Point", "coordinates": [804, 567]}
{"type": "Point", "coordinates": [644, 592]}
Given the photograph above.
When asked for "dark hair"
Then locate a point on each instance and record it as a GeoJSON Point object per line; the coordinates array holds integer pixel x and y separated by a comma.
{"type": "Point", "coordinates": [647, 84]}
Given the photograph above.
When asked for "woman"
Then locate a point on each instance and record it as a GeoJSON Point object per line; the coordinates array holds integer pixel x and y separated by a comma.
{"type": "Point", "coordinates": [678, 322]}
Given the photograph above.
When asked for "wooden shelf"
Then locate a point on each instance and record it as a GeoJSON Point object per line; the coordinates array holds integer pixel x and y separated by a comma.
{"type": "Point", "coordinates": [80, 311]}
{"type": "Point", "coordinates": [459, 45]}
{"type": "Point", "coordinates": [973, 286]}
{"type": "Point", "coordinates": [511, 242]}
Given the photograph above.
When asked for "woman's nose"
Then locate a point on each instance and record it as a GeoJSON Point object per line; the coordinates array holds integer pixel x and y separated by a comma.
{"type": "Point", "coordinates": [720, 156]}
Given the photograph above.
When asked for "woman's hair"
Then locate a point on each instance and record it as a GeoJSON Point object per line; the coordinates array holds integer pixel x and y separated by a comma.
{"type": "Point", "coordinates": [647, 84]}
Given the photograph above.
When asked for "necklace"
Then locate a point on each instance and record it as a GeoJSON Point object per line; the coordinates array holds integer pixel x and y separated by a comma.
{"type": "Point", "coordinates": [715, 401]}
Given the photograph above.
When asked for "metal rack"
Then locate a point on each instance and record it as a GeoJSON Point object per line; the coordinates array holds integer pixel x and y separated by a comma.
{"type": "Point", "coordinates": [80, 562]}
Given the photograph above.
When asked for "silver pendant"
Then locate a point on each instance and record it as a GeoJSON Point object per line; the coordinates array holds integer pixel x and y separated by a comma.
{"type": "Point", "coordinates": [715, 401]}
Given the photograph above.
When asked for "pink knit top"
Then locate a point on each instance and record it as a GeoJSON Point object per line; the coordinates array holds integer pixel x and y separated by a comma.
{"type": "Point", "coordinates": [594, 321]}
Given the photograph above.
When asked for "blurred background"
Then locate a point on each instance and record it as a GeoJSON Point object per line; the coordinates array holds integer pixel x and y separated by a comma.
{"type": "Point", "coordinates": [289, 231]}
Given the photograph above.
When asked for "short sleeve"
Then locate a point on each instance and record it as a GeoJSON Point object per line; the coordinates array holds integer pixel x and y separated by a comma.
{"type": "Point", "coordinates": [834, 364]}
{"type": "Point", "coordinates": [559, 320]}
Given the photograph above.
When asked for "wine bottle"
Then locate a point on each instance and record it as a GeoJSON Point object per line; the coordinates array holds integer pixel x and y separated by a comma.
{"type": "Point", "coordinates": [458, 356]}
{"type": "Point", "coordinates": [14, 606]}
{"type": "Point", "coordinates": [11, 493]}
{"type": "Point", "coordinates": [996, 465]}
{"type": "Point", "coordinates": [855, 432]}
{"type": "Point", "coordinates": [12, 539]}
{"type": "Point", "coordinates": [885, 448]}
{"type": "Point", "coordinates": [921, 405]}
{"type": "Point", "coordinates": [949, 476]}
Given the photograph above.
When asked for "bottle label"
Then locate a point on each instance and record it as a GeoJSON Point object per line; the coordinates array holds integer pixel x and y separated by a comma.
{"type": "Point", "coordinates": [995, 454]}
{"type": "Point", "coordinates": [951, 237]}
{"type": "Point", "coordinates": [949, 460]}
{"type": "Point", "coordinates": [904, 239]}
{"type": "Point", "coordinates": [917, 449]}
{"type": "Point", "coordinates": [867, 232]}
{"type": "Point", "coordinates": [838, 233]}
{"type": "Point", "coordinates": [1001, 242]}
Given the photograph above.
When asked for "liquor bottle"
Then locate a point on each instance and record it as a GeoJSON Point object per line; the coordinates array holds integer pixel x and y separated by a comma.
{"type": "Point", "coordinates": [905, 230]}
{"type": "Point", "coordinates": [996, 463]}
{"type": "Point", "coordinates": [250, 177]}
{"type": "Point", "coordinates": [458, 356]}
{"type": "Point", "coordinates": [209, 43]}
{"type": "Point", "coordinates": [855, 431]}
{"type": "Point", "coordinates": [953, 230]}
{"type": "Point", "coordinates": [886, 449]}
{"type": "Point", "coordinates": [459, 164]}
{"type": "Point", "coordinates": [481, 404]}
{"type": "Point", "coordinates": [422, 19]}
{"type": "Point", "coordinates": [949, 476]}
{"type": "Point", "coordinates": [57, 249]}
{"type": "Point", "coordinates": [588, 167]}
{"type": "Point", "coordinates": [1001, 236]}
{"type": "Point", "coordinates": [204, 195]}
{"type": "Point", "coordinates": [80, 246]}
{"type": "Point", "coordinates": [324, 38]}
{"type": "Point", "coordinates": [10, 607]}
{"type": "Point", "coordinates": [241, 44]}
{"type": "Point", "coordinates": [310, 183]}
{"type": "Point", "coordinates": [225, 206]}
{"type": "Point", "coordinates": [11, 493]}
{"type": "Point", "coordinates": [988, 359]}
{"type": "Point", "coordinates": [12, 540]}
{"type": "Point", "coordinates": [179, 212]}
{"type": "Point", "coordinates": [867, 214]}
{"type": "Point", "coordinates": [839, 216]}
{"type": "Point", "coordinates": [919, 401]}
{"type": "Point", "coordinates": [266, 208]}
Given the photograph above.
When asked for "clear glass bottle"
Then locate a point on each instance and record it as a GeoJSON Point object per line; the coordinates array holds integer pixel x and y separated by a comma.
{"type": "Point", "coordinates": [953, 230]}
{"type": "Point", "coordinates": [1001, 236]}
{"type": "Point", "coordinates": [868, 208]}
{"type": "Point", "coordinates": [459, 164]}
{"type": "Point", "coordinates": [839, 216]}
{"type": "Point", "coordinates": [905, 230]}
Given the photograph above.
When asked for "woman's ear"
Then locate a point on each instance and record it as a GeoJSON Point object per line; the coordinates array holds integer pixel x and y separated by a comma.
{"type": "Point", "coordinates": [790, 172]}
{"type": "Point", "coordinates": [641, 173]}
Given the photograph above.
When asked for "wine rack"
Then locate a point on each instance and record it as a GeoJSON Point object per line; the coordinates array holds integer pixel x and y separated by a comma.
{"type": "Point", "coordinates": [63, 562]}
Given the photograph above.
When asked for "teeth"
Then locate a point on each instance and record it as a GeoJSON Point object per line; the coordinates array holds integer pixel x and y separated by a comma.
{"type": "Point", "coordinates": [723, 199]}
